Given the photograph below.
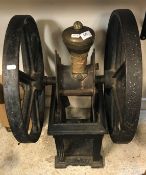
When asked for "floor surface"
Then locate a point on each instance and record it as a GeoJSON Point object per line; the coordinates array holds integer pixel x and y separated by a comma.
{"type": "Point", "coordinates": [38, 158]}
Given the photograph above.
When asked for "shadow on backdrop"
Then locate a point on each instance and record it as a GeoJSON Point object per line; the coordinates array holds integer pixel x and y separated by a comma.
{"type": "Point", "coordinates": [51, 40]}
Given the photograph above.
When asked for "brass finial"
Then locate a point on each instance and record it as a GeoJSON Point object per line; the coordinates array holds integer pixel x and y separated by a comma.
{"type": "Point", "coordinates": [78, 25]}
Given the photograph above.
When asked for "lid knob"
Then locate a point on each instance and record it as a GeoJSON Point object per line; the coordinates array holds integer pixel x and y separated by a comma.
{"type": "Point", "coordinates": [77, 25]}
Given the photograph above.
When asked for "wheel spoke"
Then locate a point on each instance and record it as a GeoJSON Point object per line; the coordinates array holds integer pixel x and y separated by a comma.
{"type": "Point", "coordinates": [117, 105]}
{"type": "Point", "coordinates": [25, 104]}
{"type": "Point", "coordinates": [37, 117]}
{"type": "Point", "coordinates": [27, 112]}
{"type": "Point", "coordinates": [24, 78]}
{"type": "Point", "coordinates": [120, 71]}
{"type": "Point", "coordinates": [27, 45]}
{"type": "Point", "coordinates": [25, 53]}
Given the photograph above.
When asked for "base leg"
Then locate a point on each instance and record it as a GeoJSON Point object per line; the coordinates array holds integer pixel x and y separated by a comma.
{"type": "Point", "coordinates": [78, 150]}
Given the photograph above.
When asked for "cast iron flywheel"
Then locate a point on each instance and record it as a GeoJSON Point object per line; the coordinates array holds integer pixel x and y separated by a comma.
{"type": "Point", "coordinates": [123, 72]}
{"type": "Point", "coordinates": [25, 112]}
